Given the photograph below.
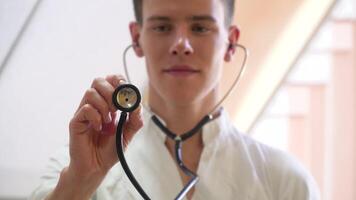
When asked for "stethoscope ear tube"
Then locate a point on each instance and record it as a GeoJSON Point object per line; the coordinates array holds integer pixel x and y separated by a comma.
{"type": "Point", "coordinates": [178, 139]}
{"type": "Point", "coordinates": [122, 160]}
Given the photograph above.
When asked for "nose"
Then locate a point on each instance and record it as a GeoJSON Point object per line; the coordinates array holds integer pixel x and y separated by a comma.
{"type": "Point", "coordinates": [181, 44]}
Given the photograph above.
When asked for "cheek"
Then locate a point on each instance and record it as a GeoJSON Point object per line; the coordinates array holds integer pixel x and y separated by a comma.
{"type": "Point", "coordinates": [153, 72]}
{"type": "Point", "coordinates": [213, 52]}
{"type": "Point", "coordinates": [212, 46]}
{"type": "Point", "coordinates": [154, 50]}
{"type": "Point", "coordinates": [215, 56]}
{"type": "Point", "coordinates": [152, 57]}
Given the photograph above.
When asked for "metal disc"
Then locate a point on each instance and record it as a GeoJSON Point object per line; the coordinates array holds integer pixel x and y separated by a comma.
{"type": "Point", "coordinates": [126, 97]}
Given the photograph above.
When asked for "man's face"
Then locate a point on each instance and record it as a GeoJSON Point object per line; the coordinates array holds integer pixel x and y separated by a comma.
{"type": "Point", "coordinates": [184, 43]}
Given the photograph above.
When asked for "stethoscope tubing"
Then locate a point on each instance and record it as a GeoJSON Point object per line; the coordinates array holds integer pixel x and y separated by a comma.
{"type": "Point", "coordinates": [122, 160]}
{"type": "Point", "coordinates": [227, 94]}
{"type": "Point", "coordinates": [178, 138]}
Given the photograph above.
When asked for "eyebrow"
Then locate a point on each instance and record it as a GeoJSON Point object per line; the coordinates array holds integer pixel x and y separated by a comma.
{"type": "Point", "coordinates": [158, 18]}
{"type": "Point", "coordinates": [191, 18]}
{"type": "Point", "coordinates": [202, 18]}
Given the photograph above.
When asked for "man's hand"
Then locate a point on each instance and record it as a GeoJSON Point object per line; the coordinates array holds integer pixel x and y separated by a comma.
{"type": "Point", "coordinates": [92, 140]}
{"type": "Point", "coordinates": [93, 127]}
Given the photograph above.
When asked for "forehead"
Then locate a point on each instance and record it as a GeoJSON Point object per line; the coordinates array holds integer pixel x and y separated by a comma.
{"type": "Point", "coordinates": [175, 9]}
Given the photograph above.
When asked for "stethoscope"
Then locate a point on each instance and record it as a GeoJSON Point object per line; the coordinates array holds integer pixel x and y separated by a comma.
{"type": "Point", "coordinates": [127, 98]}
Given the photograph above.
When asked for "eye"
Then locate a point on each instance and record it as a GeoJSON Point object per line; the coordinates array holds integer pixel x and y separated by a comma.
{"type": "Point", "coordinates": [200, 29]}
{"type": "Point", "coordinates": [162, 28]}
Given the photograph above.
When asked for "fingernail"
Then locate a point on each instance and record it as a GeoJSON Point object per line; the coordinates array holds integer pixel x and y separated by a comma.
{"type": "Point", "coordinates": [122, 81]}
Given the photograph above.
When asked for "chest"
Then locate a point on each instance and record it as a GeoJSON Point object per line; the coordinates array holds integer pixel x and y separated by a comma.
{"type": "Point", "coordinates": [222, 172]}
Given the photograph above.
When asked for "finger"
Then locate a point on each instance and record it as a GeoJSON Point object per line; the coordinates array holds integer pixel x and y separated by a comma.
{"type": "Point", "coordinates": [93, 98]}
{"type": "Point", "coordinates": [115, 80]}
{"type": "Point", "coordinates": [86, 117]}
{"type": "Point", "coordinates": [110, 128]}
{"type": "Point", "coordinates": [105, 89]}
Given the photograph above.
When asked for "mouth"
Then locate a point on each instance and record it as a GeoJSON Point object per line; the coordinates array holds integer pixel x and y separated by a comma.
{"type": "Point", "coordinates": [181, 70]}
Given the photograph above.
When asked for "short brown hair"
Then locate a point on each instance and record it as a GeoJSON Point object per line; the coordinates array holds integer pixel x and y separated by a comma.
{"type": "Point", "coordinates": [229, 11]}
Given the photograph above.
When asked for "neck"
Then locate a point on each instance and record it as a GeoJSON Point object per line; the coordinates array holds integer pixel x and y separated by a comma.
{"type": "Point", "coordinates": [182, 118]}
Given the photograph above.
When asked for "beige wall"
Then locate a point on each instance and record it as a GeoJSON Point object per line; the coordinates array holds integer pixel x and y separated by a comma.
{"type": "Point", "coordinates": [275, 32]}
{"type": "Point", "coordinates": [344, 115]}
{"type": "Point", "coordinates": [321, 109]}
{"type": "Point", "coordinates": [322, 120]}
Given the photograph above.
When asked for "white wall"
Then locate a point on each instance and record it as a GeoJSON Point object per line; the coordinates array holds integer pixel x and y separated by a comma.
{"type": "Point", "coordinates": [67, 44]}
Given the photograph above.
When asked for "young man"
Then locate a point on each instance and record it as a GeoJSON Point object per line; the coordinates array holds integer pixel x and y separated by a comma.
{"type": "Point", "coordinates": [185, 44]}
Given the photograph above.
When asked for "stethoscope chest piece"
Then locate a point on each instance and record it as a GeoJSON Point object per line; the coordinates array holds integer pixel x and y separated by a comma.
{"type": "Point", "coordinates": [126, 97]}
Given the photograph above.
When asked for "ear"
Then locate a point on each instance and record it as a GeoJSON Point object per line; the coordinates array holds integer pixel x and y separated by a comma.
{"type": "Point", "coordinates": [234, 34]}
{"type": "Point", "coordinates": [135, 29]}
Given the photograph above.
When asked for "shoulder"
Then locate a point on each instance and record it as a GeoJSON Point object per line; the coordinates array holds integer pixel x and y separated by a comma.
{"type": "Point", "coordinates": [290, 177]}
{"type": "Point", "coordinates": [278, 171]}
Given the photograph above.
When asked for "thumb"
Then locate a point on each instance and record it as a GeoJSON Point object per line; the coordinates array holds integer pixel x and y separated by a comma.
{"type": "Point", "coordinates": [133, 124]}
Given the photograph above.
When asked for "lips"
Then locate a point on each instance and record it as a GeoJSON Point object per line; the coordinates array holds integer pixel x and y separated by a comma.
{"type": "Point", "coordinates": [181, 70]}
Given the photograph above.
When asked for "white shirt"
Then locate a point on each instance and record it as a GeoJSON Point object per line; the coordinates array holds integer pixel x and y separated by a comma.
{"type": "Point", "coordinates": [232, 166]}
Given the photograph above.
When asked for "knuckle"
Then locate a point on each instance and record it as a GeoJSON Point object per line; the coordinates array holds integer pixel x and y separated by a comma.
{"type": "Point", "coordinates": [91, 111]}
{"type": "Point", "coordinates": [97, 81]}
{"type": "Point", "coordinates": [71, 122]}
{"type": "Point", "coordinates": [106, 107]}
{"type": "Point", "coordinates": [109, 76]}
{"type": "Point", "coordinates": [90, 92]}
{"type": "Point", "coordinates": [101, 105]}
{"type": "Point", "coordinates": [87, 108]}
{"type": "Point", "coordinates": [97, 118]}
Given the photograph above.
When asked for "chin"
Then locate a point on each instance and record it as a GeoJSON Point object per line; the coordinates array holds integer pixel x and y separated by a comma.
{"type": "Point", "coordinates": [182, 97]}
{"type": "Point", "coordinates": [181, 94]}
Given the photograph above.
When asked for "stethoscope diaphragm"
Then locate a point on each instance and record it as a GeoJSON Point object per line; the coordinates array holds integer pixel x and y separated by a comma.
{"type": "Point", "coordinates": [126, 97]}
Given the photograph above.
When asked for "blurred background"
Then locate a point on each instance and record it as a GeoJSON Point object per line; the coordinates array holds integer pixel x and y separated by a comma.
{"type": "Point", "coordinates": [298, 92]}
